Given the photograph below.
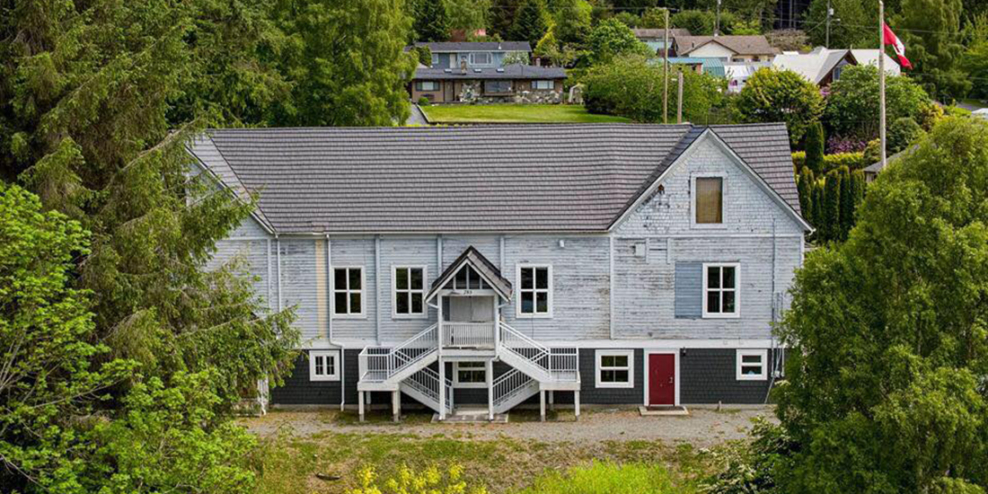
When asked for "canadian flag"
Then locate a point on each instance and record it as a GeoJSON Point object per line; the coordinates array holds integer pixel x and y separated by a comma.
{"type": "Point", "coordinates": [897, 45]}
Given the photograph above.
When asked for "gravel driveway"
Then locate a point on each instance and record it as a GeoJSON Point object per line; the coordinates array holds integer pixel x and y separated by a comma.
{"type": "Point", "coordinates": [702, 428]}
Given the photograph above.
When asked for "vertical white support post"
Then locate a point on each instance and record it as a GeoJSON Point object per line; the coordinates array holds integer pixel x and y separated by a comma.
{"type": "Point", "coordinates": [442, 388]}
{"type": "Point", "coordinates": [552, 400]}
{"type": "Point", "coordinates": [360, 405]}
{"type": "Point", "coordinates": [576, 404]}
{"type": "Point", "coordinates": [490, 390]}
{"type": "Point", "coordinates": [396, 405]}
{"type": "Point", "coordinates": [542, 405]}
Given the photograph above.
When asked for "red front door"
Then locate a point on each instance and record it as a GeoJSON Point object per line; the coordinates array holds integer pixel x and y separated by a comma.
{"type": "Point", "coordinates": [661, 379]}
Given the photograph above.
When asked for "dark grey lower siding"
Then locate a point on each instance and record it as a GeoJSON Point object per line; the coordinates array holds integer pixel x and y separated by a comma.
{"type": "Point", "coordinates": [706, 376]}
{"type": "Point", "coordinates": [709, 376]}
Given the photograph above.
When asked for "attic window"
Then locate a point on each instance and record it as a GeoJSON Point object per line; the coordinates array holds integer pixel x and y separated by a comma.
{"type": "Point", "coordinates": [708, 200]}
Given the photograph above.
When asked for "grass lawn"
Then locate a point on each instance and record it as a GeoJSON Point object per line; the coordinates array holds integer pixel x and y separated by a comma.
{"type": "Point", "coordinates": [290, 463]}
{"type": "Point", "coordinates": [515, 113]}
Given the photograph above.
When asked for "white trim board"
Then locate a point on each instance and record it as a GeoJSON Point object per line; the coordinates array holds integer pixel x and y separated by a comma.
{"type": "Point", "coordinates": [678, 344]}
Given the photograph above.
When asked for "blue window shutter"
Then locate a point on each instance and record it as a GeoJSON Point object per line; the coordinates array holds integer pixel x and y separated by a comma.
{"type": "Point", "coordinates": [689, 290]}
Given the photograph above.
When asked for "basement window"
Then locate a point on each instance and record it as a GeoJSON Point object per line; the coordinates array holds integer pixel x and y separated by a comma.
{"type": "Point", "coordinates": [470, 374]}
{"type": "Point", "coordinates": [614, 369]}
{"type": "Point", "coordinates": [324, 365]}
{"type": "Point", "coordinates": [752, 365]}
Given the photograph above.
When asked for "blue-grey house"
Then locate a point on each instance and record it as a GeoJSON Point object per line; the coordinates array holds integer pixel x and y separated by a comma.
{"type": "Point", "coordinates": [488, 265]}
{"type": "Point", "coordinates": [475, 54]}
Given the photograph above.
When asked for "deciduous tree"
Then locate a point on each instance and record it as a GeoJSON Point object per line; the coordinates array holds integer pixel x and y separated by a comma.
{"type": "Point", "coordinates": [780, 96]}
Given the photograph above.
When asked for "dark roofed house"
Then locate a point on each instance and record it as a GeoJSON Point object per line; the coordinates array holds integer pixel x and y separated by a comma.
{"type": "Point", "coordinates": [494, 265]}
{"type": "Point", "coordinates": [512, 83]}
{"type": "Point", "coordinates": [655, 38]}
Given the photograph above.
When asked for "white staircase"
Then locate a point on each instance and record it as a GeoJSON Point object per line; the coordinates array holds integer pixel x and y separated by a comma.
{"type": "Point", "coordinates": [513, 388]}
{"type": "Point", "coordinates": [553, 368]}
{"type": "Point", "coordinates": [424, 387]}
{"type": "Point", "coordinates": [382, 369]}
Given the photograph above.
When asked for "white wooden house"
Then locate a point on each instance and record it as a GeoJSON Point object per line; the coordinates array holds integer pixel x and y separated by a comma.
{"type": "Point", "coordinates": [499, 265]}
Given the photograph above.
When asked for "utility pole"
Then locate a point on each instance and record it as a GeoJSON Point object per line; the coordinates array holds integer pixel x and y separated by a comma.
{"type": "Point", "coordinates": [830, 12]}
{"type": "Point", "coordinates": [665, 71]}
{"type": "Point", "coordinates": [717, 20]}
{"type": "Point", "coordinates": [881, 77]}
{"type": "Point", "coordinates": [679, 99]}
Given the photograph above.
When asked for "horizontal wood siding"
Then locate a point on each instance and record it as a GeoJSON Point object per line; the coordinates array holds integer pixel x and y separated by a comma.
{"type": "Point", "coordinates": [397, 252]}
{"type": "Point", "coordinates": [453, 246]}
{"type": "Point", "coordinates": [300, 290]}
{"type": "Point", "coordinates": [357, 252]}
{"type": "Point", "coordinates": [580, 281]}
{"type": "Point", "coordinates": [251, 259]}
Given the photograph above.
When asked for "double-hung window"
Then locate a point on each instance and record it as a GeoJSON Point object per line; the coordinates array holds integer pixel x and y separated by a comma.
{"type": "Point", "coordinates": [470, 375]}
{"type": "Point", "coordinates": [721, 293]}
{"type": "Point", "coordinates": [752, 365]}
{"type": "Point", "coordinates": [534, 291]}
{"type": "Point", "coordinates": [614, 369]}
{"type": "Point", "coordinates": [409, 291]}
{"type": "Point", "coordinates": [324, 365]}
{"type": "Point", "coordinates": [708, 201]}
{"type": "Point", "coordinates": [348, 291]}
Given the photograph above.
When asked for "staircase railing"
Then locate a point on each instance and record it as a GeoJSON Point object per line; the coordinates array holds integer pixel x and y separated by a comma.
{"type": "Point", "coordinates": [508, 384]}
{"type": "Point", "coordinates": [426, 381]}
{"type": "Point", "coordinates": [558, 363]}
{"type": "Point", "coordinates": [379, 364]}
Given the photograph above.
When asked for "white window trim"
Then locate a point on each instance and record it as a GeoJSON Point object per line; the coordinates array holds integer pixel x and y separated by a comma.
{"type": "Point", "coordinates": [615, 353]}
{"type": "Point", "coordinates": [329, 354]}
{"type": "Point", "coordinates": [462, 385]}
{"type": "Point", "coordinates": [488, 63]}
{"type": "Point", "coordinates": [737, 291]}
{"type": "Point", "coordinates": [757, 377]}
{"type": "Point", "coordinates": [363, 294]}
{"type": "Point", "coordinates": [394, 294]}
{"type": "Point", "coordinates": [518, 313]}
{"type": "Point", "coordinates": [723, 201]}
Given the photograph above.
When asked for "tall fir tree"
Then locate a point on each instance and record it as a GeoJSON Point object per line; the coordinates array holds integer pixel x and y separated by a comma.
{"type": "Point", "coordinates": [847, 204]}
{"type": "Point", "coordinates": [805, 190]}
{"type": "Point", "coordinates": [814, 143]}
{"type": "Point", "coordinates": [431, 20]}
{"type": "Point", "coordinates": [818, 216]}
{"type": "Point", "coordinates": [531, 22]}
{"type": "Point", "coordinates": [831, 207]}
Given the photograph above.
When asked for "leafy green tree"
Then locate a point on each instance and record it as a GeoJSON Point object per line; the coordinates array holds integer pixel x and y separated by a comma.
{"type": "Point", "coordinates": [47, 344]}
{"type": "Point", "coordinates": [359, 82]}
{"type": "Point", "coordinates": [814, 143]}
{"type": "Point", "coordinates": [697, 22]}
{"type": "Point", "coordinates": [502, 17]}
{"type": "Point", "coordinates": [847, 205]}
{"type": "Point", "coordinates": [628, 19]}
{"type": "Point", "coordinates": [632, 87]}
{"type": "Point", "coordinates": [431, 21]}
{"type": "Point", "coordinates": [852, 107]}
{"type": "Point", "coordinates": [780, 96]}
{"type": "Point", "coordinates": [424, 55]}
{"type": "Point", "coordinates": [852, 30]}
{"type": "Point", "coordinates": [572, 21]}
{"type": "Point", "coordinates": [931, 31]}
{"type": "Point", "coordinates": [886, 343]}
{"type": "Point", "coordinates": [654, 18]}
{"type": "Point", "coordinates": [531, 22]}
{"type": "Point", "coordinates": [903, 132]}
{"type": "Point", "coordinates": [610, 38]}
{"type": "Point", "coordinates": [468, 15]}
{"type": "Point", "coordinates": [975, 64]}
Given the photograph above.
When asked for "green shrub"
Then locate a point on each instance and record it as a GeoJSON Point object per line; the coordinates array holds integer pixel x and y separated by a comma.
{"type": "Point", "coordinates": [853, 161]}
{"type": "Point", "coordinates": [814, 147]}
{"type": "Point", "coordinates": [407, 481]}
{"type": "Point", "coordinates": [607, 478]}
{"type": "Point", "coordinates": [903, 132]}
{"type": "Point", "coordinates": [423, 101]}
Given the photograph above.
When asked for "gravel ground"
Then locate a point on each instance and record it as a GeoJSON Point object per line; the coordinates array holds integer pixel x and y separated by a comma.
{"type": "Point", "coordinates": [702, 428]}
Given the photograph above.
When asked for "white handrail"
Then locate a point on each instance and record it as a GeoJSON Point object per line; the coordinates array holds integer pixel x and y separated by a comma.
{"type": "Point", "coordinates": [384, 363]}
{"type": "Point", "coordinates": [508, 384]}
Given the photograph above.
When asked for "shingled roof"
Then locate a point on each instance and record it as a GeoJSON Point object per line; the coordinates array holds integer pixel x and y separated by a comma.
{"type": "Point", "coordinates": [493, 178]}
{"type": "Point", "coordinates": [742, 45]}
{"type": "Point", "coordinates": [513, 71]}
{"type": "Point", "coordinates": [449, 46]}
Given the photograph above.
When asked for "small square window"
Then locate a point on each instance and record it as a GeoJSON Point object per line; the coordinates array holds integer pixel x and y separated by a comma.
{"type": "Point", "coordinates": [324, 365]}
{"type": "Point", "coordinates": [752, 365]}
{"type": "Point", "coordinates": [614, 369]}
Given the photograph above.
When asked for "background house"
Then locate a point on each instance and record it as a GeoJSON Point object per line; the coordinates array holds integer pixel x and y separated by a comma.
{"type": "Point", "coordinates": [726, 48]}
{"type": "Point", "coordinates": [655, 38]}
{"type": "Point", "coordinates": [474, 54]}
{"type": "Point", "coordinates": [511, 83]}
{"type": "Point", "coordinates": [820, 66]}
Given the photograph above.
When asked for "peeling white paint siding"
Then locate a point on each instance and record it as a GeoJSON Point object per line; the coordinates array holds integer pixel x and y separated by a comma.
{"type": "Point", "coordinates": [397, 252]}
{"type": "Point", "coordinates": [356, 252]}
{"type": "Point", "coordinates": [454, 245]}
{"type": "Point", "coordinates": [747, 207]}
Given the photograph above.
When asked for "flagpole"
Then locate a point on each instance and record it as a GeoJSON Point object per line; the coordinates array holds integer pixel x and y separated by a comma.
{"type": "Point", "coordinates": [881, 77]}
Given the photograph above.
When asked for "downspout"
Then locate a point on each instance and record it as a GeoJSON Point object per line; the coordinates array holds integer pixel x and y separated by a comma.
{"type": "Point", "coordinates": [612, 288]}
{"type": "Point", "coordinates": [329, 320]}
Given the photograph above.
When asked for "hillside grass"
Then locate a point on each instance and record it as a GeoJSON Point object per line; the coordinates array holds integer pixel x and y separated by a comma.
{"type": "Point", "coordinates": [511, 113]}
{"type": "Point", "coordinates": [288, 463]}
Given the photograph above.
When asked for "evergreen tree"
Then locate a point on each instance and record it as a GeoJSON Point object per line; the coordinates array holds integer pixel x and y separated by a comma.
{"type": "Point", "coordinates": [831, 226]}
{"type": "Point", "coordinates": [502, 17]}
{"type": "Point", "coordinates": [818, 216]}
{"type": "Point", "coordinates": [847, 204]}
{"type": "Point", "coordinates": [531, 22]}
{"type": "Point", "coordinates": [431, 20]}
{"type": "Point", "coordinates": [814, 147]}
{"type": "Point", "coordinates": [805, 190]}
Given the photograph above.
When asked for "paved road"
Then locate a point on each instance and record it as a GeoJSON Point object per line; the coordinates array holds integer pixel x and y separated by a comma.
{"type": "Point", "coordinates": [417, 117]}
